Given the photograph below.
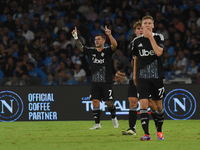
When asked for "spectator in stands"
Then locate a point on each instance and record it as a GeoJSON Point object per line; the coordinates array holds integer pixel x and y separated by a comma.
{"type": "Point", "coordinates": [178, 24]}
{"type": "Point", "coordinates": [180, 64]}
{"type": "Point", "coordinates": [119, 61]}
{"type": "Point", "coordinates": [70, 79]}
{"type": "Point", "coordinates": [56, 46]}
{"type": "Point", "coordinates": [79, 73]}
{"type": "Point", "coordinates": [20, 38]}
{"type": "Point", "coordinates": [184, 5]}
{"type": "Point", "coordinates": [198, 76]}
{"type": "Point", "coordinates": [48, 59]}
{"type": "Point", "coordinates": [19, 13]}
{"type": "Point", "coordinates": [46, 15]}
{"type": "Point", "coordinates": [8, 33]}
{"type": "Point", "coordinates": [84, 8]}
{"type": "Point", "coordinates": [64, 40]}
{"type": "Point", "coordinates": [61, 73]}
{"type": "Point", "coordinates": [21, 68]}
{"type": "Point", "coordinates": [192, 69]}
{"type": "Point", "coordinates": [26, 18]}
{"type": "Point", "coordinates": [120, 78]}
{"type": "Point", "coordinates": [122, 44]}
{"type": "Point", "coordinates": [2, 55]}
{"type": "Point", "coordinates": [50, 80]}
{"type": "Point", "coordinates": [91, 14]}
{"type": "Point", "coordinates": [29, 35]}
{"type": "Point", "coordinates": [52, 68]}
{"type": "Point", "coordinates": [9, 23]}
{"type": "Point", "coordinates": [56, 12]}
{"type": "Point", "coordinates": [170, 52]}
{"type": "Point", "coordinates": [10, 67]}
{"type": "Point", "coordinates": [162, 30]}
{"type": "Point", "coordinates": [70, 64]}
{"type": "Point", "coordinates": [96, 30]}
{"type": "Point", "coordinates": [37, 73]}
{"type": "Point", "coordinates": [18, 25]}
{"type": "Point", "coordinates": [77, 55]}
{"type": "Point", "coordinates": [3, 16]}
{"type": "Point", "coordinates": [60, 26]}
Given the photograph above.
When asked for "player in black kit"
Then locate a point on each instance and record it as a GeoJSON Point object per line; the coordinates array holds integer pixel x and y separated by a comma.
{"type": "Point", "coordinates": [132, 94]}
{"type": "Point", "coordinates": [101, 63]}
{"type": "Point", "coordinates": [149, 74]}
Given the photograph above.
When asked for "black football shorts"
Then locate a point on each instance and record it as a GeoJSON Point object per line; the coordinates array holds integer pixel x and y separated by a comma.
{"type": "Point", "coordinates": [132, 90]}
{"type": "Point", "coordinates": [102, 91]}
{"type": "Point", "coordinates": [150, 88]}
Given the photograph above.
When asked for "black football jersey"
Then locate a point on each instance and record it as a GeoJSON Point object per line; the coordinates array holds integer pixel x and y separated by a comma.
{"type": "Point", "coordinates": [149, 64]}
{"type": "Point", "coordinates": [101, 63]}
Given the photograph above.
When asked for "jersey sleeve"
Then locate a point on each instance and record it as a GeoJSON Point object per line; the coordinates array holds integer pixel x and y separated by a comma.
{"type": "Point", "coordinates": [109, 50]}
{"type": "Point", "coordinates": [160, 41]}
{"type": "Point", "coordinates": [87, 50]}
{"type": "Point", "coordinates": [134, 51]}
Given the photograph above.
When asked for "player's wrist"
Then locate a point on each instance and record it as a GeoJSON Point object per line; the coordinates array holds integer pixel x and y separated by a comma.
{"type": "Point", "coordinates": [75, 35]}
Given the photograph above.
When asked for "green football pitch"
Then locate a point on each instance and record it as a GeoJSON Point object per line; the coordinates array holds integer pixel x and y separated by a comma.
{"type": "Point", "coordinates": [75, 135]}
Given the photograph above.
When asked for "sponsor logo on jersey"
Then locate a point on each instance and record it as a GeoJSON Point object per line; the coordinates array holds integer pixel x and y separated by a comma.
{"type": "Point", "coordinates": [98, 61]}
{"type": "Point", "coordinates": [144, 52]}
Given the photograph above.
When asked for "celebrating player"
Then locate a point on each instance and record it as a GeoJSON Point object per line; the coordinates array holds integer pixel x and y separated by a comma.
{"type": "Point", "coordinates": [101, 59]}
{"type": "Point", "coordinates": [149, 74]}
{"type": "Point", "coordinates": [132, 94]}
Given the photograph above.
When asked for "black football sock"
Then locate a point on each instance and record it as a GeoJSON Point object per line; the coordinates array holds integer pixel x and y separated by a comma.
{"type": "Point", "coordinates": [144, 120]}
{"type": "Point", "coordinates": [112, 111]}
{"type": "Point", "coordinates": [96, 114]}
{"type": "Point", "coordinates": [160, 118]}
{"type": "Point", "coordinates": [154, 116]}
{"type": "Point", "coordinates": [132, 117]}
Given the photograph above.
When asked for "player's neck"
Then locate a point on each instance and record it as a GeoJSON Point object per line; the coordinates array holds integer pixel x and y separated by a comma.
{"type": "Point", "coordinates": [100, 49]}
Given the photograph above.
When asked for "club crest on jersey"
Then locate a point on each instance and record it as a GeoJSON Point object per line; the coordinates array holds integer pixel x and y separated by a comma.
{"type": "Point", "coordinates": [94, 55]}
{"type": "Point", "coordinates": [102, 54]}
{"type": "Point", "coordinates": [144, 52]}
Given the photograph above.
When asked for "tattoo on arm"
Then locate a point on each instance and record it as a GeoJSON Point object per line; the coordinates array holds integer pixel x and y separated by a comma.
{"type": "Point", "coordinates": [79, 45]}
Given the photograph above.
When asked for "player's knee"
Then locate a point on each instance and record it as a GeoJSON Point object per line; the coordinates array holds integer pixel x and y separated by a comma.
{"type": "Point", "coordinates": [110, 104]}
{"type": "Point", "coordinates": [133, 102]}
{"type": "Point", "coordinates": [143, 103]}
{"type": "Point", "coordinates": [95, 103]}
{"type": "Point", "coordinates": [159, 106]}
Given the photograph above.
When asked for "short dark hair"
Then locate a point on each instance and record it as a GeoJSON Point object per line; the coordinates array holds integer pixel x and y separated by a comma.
{"type": "Point", "coordinates": [102, 35]}
{"type": "Point", "coordinates": [31, 64]}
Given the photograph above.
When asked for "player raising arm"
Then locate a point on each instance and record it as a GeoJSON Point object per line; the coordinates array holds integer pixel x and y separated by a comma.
{"type": "Point", "coordinates": [101, 66]}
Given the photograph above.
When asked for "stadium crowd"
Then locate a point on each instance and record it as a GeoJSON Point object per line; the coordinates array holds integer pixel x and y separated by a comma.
{"type": "Point", "coordinates": [36, 46]}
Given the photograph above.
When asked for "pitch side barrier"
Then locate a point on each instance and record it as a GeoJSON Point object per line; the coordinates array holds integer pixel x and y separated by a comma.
{"type": "Point", "coordinates": [51, 103]}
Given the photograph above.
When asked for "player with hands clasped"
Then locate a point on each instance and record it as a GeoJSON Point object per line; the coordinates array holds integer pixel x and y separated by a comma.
{"type": "Point", "coordinates": [149, 74]}
{"type": "Point", "coordinates": [101, 66]}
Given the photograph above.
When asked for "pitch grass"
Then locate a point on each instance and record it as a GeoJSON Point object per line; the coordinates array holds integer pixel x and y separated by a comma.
{"type": "Point", "coordinates": [75, 135]}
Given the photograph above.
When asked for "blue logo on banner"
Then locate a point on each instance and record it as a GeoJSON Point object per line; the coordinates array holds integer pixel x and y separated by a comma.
{"type": "Point", "coordinates": [179, 104]}
{"type": "Point", "coordinates": [11, 106]}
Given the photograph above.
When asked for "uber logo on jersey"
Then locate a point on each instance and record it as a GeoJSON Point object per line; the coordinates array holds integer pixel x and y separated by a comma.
{"type": "Point", "coordinates": [97, 61]}
{"type": "Point", "coordinates": [11, 106]}
{"type": "Point", "coordinates": [144, 52]}
{"type": "Point", "coordinates": [179, 104]}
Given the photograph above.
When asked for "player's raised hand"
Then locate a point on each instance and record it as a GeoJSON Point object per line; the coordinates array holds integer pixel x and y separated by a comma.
{"type": "Point", "coordinates": [107, 31]}
{"type": "Point", "coordinates": [74, 33]}
{"type": "Point", "coordinates": [75, 30]}
{"type": "Point", "coordinates": [147, 33]}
